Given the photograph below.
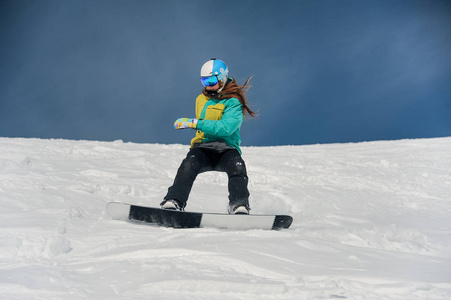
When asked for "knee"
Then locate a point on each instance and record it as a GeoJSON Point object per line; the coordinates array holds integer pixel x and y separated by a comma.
{"type": "Point", "coordinates": [237, 168]}
{"type": "Point", "coordinates": [189, 165]}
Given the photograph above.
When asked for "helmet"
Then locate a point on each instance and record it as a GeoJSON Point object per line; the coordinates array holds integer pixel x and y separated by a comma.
{"type": "Point", "coordinates": [215, 67]}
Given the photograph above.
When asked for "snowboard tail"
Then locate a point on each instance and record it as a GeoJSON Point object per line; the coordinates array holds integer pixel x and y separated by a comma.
{"type": "Point", "coordinates": [183, 219]}
{"type": "Point", "coordinates": [169, 218]}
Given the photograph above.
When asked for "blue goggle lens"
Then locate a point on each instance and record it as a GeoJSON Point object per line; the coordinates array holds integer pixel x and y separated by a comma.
{"type": "Point", "coordinates": [209, 81]}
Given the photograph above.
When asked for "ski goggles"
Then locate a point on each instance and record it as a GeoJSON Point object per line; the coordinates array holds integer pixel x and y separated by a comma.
{"type": "Point", "coordinates": [209, 81]}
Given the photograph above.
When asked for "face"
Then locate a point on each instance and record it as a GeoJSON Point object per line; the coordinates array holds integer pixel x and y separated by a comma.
{"type": "Point", "coordinates": [211, 83]}
{"type": "Point", "coordinates": [213, 88]}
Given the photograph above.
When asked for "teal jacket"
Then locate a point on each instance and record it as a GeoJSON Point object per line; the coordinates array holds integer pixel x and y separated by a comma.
{"type": "Point", "coordinates": [219, 121]}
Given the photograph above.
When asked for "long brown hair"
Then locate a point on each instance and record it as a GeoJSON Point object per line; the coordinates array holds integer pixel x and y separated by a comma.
{"type": "Point", "coordinates": [233, 90]}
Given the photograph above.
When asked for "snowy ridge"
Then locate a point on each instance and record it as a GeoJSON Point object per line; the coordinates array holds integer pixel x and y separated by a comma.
{"type": "Point", "coordinates": [371, 221]}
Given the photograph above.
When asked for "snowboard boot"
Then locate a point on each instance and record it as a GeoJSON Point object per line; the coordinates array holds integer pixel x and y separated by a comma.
{"type": "Point", "coordinates": [238, 210]}
{"type": "Point", "coordinates": [171, 204]}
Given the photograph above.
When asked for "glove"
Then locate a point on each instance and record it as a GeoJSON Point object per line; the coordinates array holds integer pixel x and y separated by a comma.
{"type": "Point", "coordinates": [184, 123]}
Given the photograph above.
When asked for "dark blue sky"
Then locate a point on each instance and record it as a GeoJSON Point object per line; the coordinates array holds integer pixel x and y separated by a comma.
{"type": "Point", "coordinates": [324, 71]}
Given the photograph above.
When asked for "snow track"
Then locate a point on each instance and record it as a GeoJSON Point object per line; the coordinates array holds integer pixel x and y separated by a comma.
{"type": "Point", "coordinates": [371, 221]}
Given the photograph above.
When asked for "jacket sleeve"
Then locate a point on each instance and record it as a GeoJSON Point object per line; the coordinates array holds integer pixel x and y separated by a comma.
{"type": "Point", "coordinates": [229, 123]}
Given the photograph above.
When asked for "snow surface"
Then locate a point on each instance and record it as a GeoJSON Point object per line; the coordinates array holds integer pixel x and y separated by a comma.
{"type": "Point", "coordinates": [371, 221]}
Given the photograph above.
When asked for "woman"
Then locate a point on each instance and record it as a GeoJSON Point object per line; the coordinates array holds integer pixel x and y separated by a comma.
{"type": "Point", "coordinates": [220, 111]}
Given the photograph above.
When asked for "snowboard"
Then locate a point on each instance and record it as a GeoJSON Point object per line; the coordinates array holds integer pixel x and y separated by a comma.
{"type": "Point", "coordinates": [184, 219]}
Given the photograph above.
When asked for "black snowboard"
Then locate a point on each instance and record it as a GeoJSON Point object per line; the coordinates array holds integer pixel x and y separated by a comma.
{"type": "Point", "coordinates": [179, 219]}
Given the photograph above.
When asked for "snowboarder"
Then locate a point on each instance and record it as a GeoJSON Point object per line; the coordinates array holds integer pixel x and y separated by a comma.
{"type": "Point", "coordinates": [220, 111]}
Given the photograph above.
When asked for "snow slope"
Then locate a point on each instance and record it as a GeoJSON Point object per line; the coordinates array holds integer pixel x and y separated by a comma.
{"type": "Point", "coordinates": [371, 221]}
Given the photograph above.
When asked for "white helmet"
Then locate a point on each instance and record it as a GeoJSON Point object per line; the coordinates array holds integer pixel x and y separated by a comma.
{"type": "Point", "coordinates": [213, 71]}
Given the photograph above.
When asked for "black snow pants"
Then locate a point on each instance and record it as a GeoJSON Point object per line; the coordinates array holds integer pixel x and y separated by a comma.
{"type": "Point", "coordinates": [199, 160]}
